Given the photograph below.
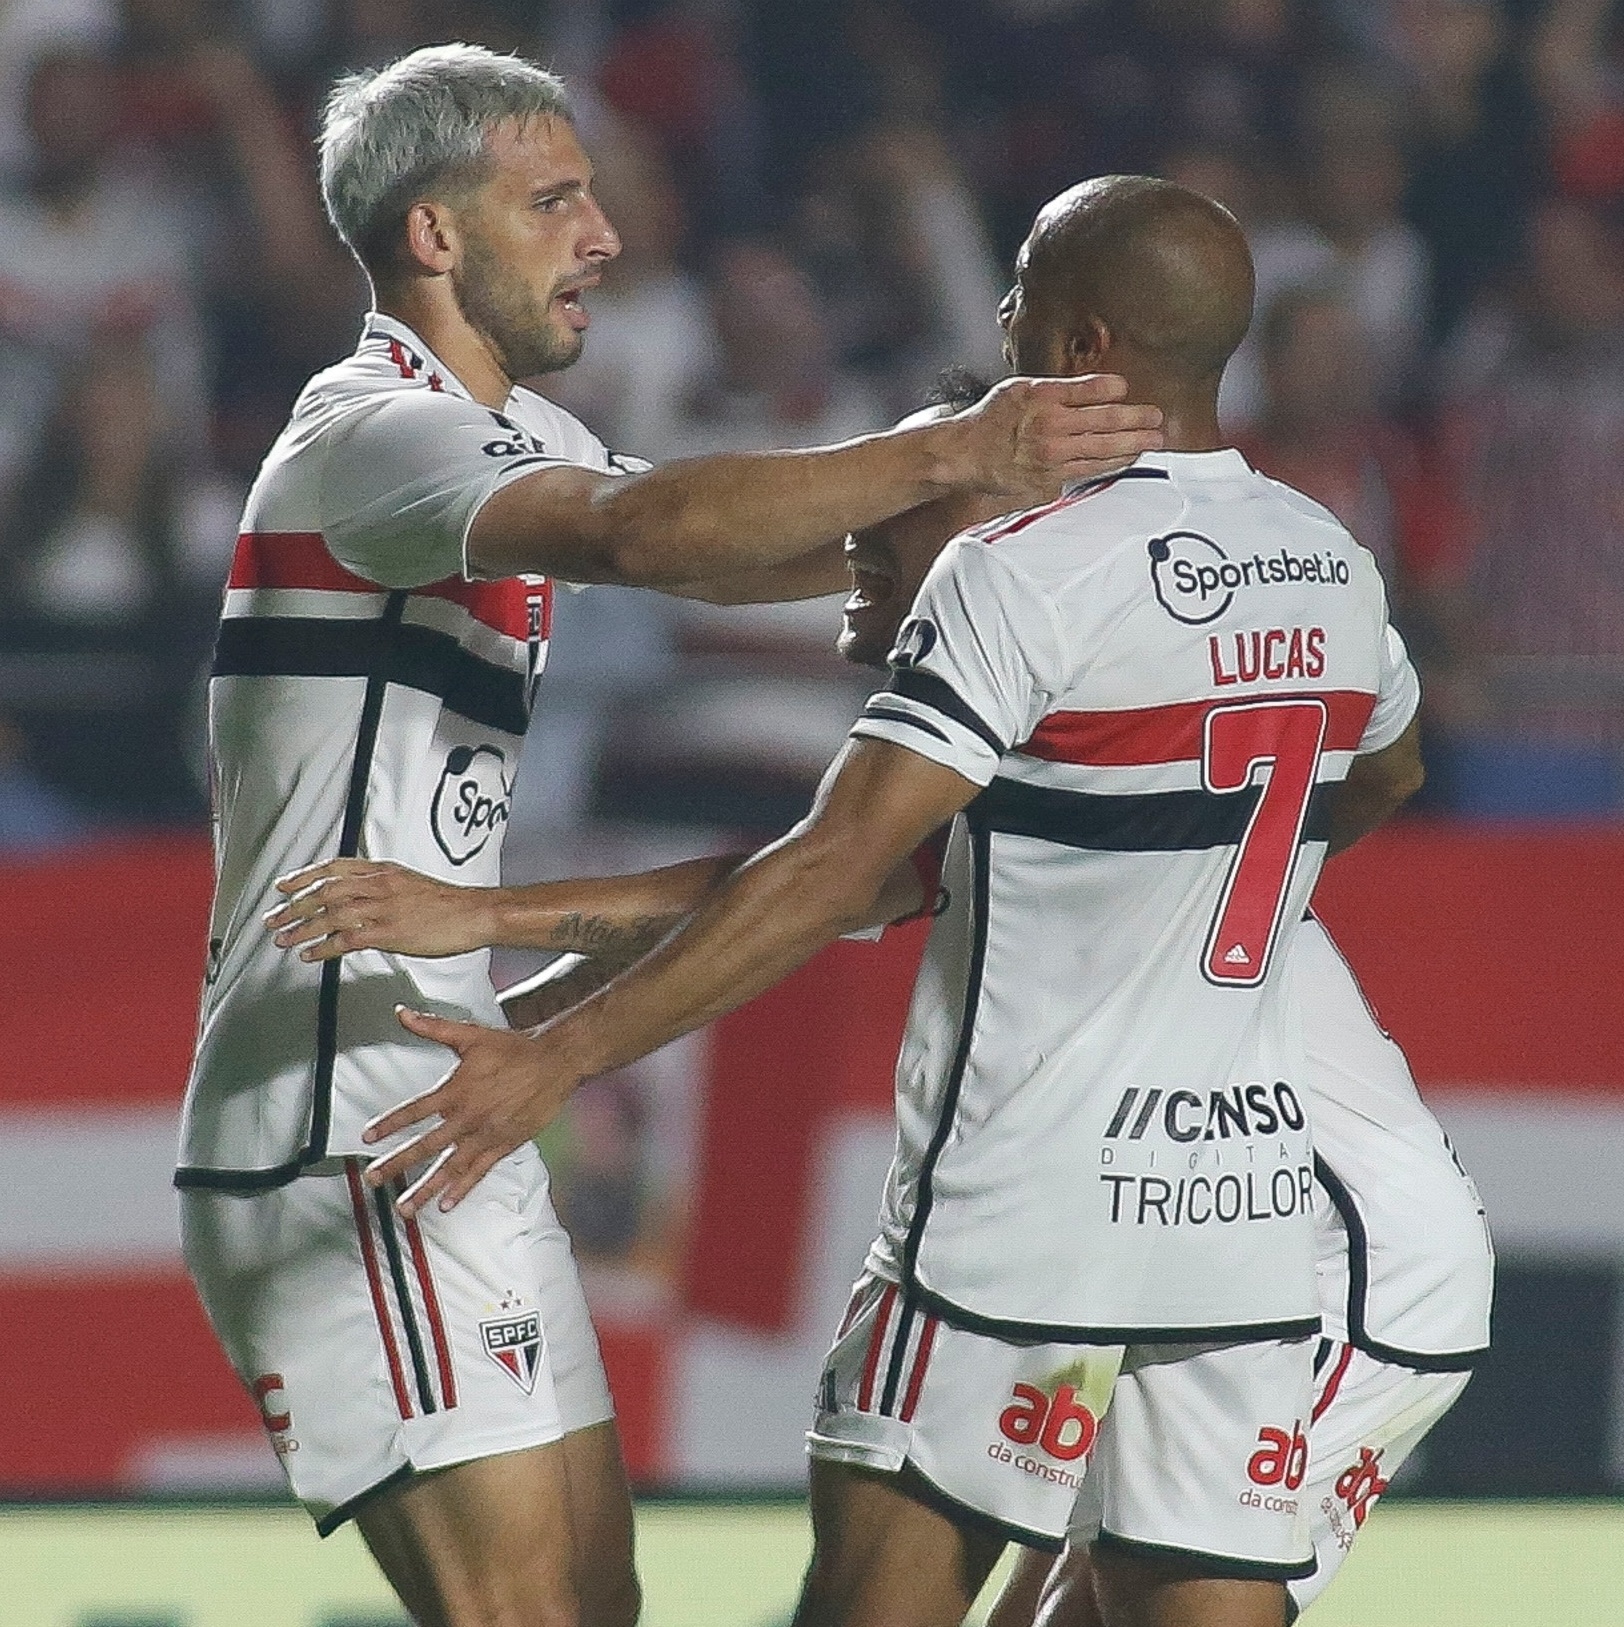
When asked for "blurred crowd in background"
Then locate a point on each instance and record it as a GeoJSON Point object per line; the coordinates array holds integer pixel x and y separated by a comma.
{"type": "Point", "coordinates": [819, 202]}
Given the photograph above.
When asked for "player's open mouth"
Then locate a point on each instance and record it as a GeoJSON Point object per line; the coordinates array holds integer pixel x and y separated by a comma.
{"type": "Point", "coordinates": [574, 309]}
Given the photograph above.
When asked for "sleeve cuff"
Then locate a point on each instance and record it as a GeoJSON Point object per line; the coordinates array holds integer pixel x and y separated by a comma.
{"type": "Point", "coordinates": [1393, 715]}
{"type": "Point", "coordinates": [508, 473]}
{"type": "Point", "coordinates": [927, 734]}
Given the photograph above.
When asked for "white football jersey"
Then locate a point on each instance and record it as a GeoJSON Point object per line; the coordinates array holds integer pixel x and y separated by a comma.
{"type": "Point", "coordinates": [1406, 1263]}
{"type": "Point", "coordinates": [1101, 1130]}
{"type": "Point", "coordinates": [368, 696]}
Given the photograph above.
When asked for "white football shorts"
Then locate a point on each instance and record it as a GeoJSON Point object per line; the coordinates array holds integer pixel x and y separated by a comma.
{"type": "Point", "coordinates": [1368, 1416]}
{"type": "Point", "coordinates": [377, 1347]}
{"type": "Point", "coordinates": [1012, 1435]}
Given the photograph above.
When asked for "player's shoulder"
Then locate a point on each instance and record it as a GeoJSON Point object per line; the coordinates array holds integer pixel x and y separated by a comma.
{"type": "Point", "coordinates": [372, 404]}
{"type": "Point", "coordinates": [368, 381]}
{"type": "Point", "coordinates": [1300, 506]}
{"type": "Point", "coordinates": [1084, 527]}
{"type": "Point", "coordinates": [392, 398]}
{"type": "Point", "coordinates": [390, 368]}
{"type": "Point", "coordinates": [1322, 532]}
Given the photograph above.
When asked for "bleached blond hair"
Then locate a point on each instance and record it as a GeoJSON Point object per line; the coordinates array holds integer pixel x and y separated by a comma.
{"type": "Point", "coordinates": [389, 135]}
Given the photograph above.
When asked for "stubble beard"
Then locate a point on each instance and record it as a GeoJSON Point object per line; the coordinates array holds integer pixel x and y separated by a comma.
{"type": "Point", "coordinates": [862, 649]}
{"type": "Point", "coordinates": [503, 310]}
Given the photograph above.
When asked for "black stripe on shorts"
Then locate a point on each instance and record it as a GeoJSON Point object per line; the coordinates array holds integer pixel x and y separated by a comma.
{"type": "Point", "coordinates": [1200, 1564]}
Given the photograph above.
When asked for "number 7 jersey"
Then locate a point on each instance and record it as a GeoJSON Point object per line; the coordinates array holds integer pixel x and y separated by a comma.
{"type": "Point", "coordinates": [1156, 680]}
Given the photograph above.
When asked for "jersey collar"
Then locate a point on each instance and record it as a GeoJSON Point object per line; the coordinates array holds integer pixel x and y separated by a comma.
{"type": "Point", "coordinates": [1224, 464]}
{"type": "Point", "coordinates": [381, 332]}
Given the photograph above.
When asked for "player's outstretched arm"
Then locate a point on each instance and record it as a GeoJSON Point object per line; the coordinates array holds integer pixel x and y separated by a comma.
{"type": "Point", "coordinates": [599, 926]}
{"type": "Point", "coordinates": [706, 518]}
{"type": "Point", "coordinates": [1377, 786]}
{"type": "Point", "coordinates": [343, 905]}
{"type": "Point", "coordinates": [811, 575]}
{"type": "Point", "coordinates": [828, 876]}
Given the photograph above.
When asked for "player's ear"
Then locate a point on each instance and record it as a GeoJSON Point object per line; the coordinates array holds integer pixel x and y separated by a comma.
{"type": "Point", "coordinates": [431, 237]}
{"type": "Point", "coordinates": [1087, 345]}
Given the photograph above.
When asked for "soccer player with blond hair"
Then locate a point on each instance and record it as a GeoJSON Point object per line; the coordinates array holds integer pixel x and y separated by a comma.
{"type": "Point", "coordinates": [435, 1376]}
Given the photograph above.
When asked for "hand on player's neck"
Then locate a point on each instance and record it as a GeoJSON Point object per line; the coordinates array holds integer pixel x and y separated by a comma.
{"type": "Point", "coordinates": [1189, 412]}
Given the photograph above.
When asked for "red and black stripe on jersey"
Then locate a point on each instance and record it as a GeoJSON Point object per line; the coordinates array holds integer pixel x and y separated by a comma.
{"type": "Point", "coordinates": [1142, 736]}
{"type": "Point", "coordinates": [405, 653]}
{"type": "Point", "coordinates": [260, 640]}
{"type": "Point", "coordinates": [1137, 737]}
{"type": "Point", "coordinates": [1148, 821]}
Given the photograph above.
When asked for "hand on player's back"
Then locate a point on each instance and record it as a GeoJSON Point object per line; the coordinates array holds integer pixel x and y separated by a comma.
{"type": "Point", "coordinates": [1028, 435]}
{"type": "Point", "coordinates": [504, 1090]}
{"type": "Point", "coordinates": [349, 904]}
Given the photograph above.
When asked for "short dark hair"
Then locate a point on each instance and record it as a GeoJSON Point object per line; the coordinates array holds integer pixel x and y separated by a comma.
{"type": "Point", "coordinates": [956, 388]}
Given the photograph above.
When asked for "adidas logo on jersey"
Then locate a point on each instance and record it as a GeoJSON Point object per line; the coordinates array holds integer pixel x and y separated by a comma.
{"type": "Point", "coordinates": [1237, 956]}
{"type": "Point", "coordinates": [520, 443]}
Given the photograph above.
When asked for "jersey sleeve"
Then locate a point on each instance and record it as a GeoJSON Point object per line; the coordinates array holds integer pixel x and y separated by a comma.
{"type": "Point", "coordinates": [402, 483]}
{"type": "Point", "coordinates": [969, 675]}
{"type": "Point", "coordinates": [1398, 695]}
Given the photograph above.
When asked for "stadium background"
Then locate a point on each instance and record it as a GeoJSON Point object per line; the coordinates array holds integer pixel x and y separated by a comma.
{"type": "Point", "coordinates": [819, 203]}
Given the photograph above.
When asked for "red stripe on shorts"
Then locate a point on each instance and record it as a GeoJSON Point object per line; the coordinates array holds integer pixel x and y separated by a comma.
{"type": "Point", "coordinates": [853, 1306]}
{"type": "Point", "coordinates": [369, 1253]}
{"type": "Point", "coordinates": [431, 1303]}
{"type": "Point", "coordinates": [916, 1379]}
{"type": "Point", "coordinates": [871, 1362]}
{"type": "Point", "coordinates": [1332, 1384]}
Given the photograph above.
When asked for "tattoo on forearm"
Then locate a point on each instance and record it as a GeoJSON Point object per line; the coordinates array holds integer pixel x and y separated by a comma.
{"type": "Point", "coordinates": [598, 936]}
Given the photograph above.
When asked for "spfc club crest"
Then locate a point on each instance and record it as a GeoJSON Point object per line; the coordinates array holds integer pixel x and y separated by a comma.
{"type": "Point", "coordinates": [514, 1344]}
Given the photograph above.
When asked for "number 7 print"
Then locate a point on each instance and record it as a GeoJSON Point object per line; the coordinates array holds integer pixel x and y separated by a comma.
{"type": "Point", "coordinates": [1281, 740]}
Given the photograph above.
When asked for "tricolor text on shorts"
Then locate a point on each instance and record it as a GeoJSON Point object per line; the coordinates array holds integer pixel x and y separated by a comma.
{"type": "Point", "coordinates": [1194, 1200]}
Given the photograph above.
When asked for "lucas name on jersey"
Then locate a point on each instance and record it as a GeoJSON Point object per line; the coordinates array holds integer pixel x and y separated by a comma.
{"type": "Point", "coordinates": [1272, 654]}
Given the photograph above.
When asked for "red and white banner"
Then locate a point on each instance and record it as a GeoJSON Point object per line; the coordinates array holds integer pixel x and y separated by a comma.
{"type": "Point", "coordinates": [1494, 956]}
